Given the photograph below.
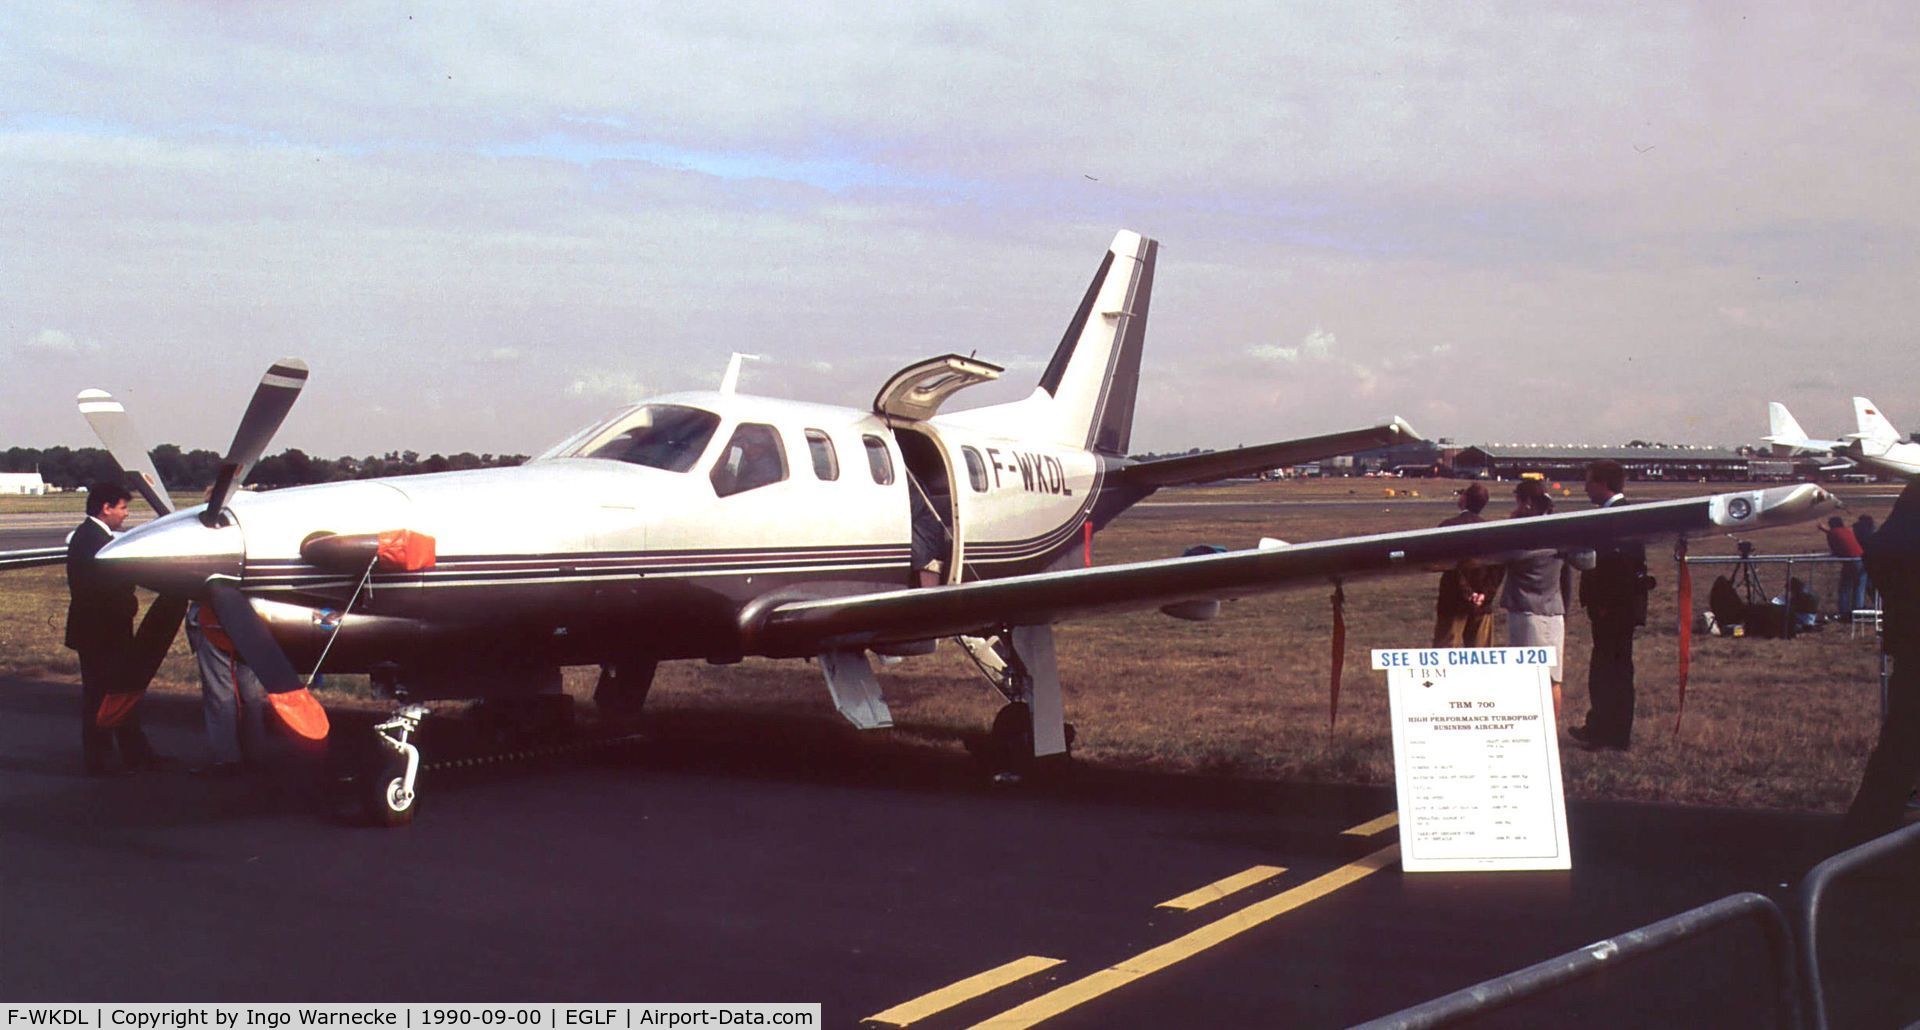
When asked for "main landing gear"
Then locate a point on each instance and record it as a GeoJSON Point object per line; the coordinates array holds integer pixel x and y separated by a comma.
{"type": "Point", "coordinates": [1030, 735]}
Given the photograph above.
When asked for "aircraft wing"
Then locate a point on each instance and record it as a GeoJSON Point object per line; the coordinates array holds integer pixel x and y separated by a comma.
{"type": "Point", "coordinates": [32, 557]}
{"type": "Point", "coordinates": [1202, 468]}
{"type": "Point", "coordinates": [794, 628]}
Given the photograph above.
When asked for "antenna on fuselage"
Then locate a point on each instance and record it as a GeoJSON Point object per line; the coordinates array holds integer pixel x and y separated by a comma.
{"type": "Point", "coordinates": [730, 382]}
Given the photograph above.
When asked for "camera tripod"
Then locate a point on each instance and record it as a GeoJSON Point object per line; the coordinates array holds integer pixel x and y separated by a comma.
{"type": "Point", "coordinates": [1746, 578]}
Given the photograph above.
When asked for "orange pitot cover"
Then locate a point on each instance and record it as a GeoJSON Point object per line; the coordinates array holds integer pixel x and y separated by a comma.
{"type": "Point", "coordinates": [403, 550]}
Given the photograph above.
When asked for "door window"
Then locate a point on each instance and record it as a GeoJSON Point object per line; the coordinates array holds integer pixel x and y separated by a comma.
{"type": "Point", "coordinates": [976, 469]}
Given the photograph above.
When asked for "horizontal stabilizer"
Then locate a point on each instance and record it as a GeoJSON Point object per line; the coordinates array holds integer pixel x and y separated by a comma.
{"type": "Point", "coordinates": [1243, 461]}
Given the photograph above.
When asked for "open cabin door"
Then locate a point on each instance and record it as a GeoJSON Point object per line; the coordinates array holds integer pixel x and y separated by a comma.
{"type": "Point", "coordinates": [907, 400]}
{"type": "Point", "coordinates": [914, 393]}
{"type": "Point", "coordinates": [931, 502]}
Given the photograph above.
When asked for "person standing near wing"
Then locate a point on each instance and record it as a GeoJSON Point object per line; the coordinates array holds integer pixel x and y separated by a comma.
{"type": "Point", "coordinates": [1614, 592]}
{"type": "Point", "coordinates": [1893, 560]}
{"type": "Point", "coordinates": [1463, 612]}
{"type": "Point", "coordinates": [1539, 585]}
{"type": "Point", "coordinates": [100, 630]}
{"type": "Point", "coordinates": [231, 696]}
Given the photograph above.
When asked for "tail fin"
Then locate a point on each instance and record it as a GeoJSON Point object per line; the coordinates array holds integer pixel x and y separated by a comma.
{"type": "Point", "coordinates": [1091, 383]}
{"type": "Point", "coordinates": [1783, 430]}
{"type": "Point", "coordinates": [1874, 427]}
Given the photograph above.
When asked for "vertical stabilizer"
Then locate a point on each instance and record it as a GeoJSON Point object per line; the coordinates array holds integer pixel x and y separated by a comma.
{"type": "Point", "coordinates": [1091, 383]}
{"type": "Point", "coordinates": [1782, 427]}
{"type": "Point", "coordinates": [1876, 433]}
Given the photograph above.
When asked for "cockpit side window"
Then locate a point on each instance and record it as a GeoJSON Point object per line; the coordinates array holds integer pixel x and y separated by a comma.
{"type": "Point", "coordinates": [662, 436]}
{"type": "Point", "coordinates": [879, 462]}
{"type": "Point", "coordinates": [752, 458]}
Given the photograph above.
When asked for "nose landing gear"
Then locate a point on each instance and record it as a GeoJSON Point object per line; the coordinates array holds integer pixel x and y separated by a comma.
{"type": "Point", "coordinates": [387, 794]}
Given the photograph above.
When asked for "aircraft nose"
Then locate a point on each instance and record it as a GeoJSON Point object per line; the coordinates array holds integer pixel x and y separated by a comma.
{"type": "Point", "coordinates": [174, 555]}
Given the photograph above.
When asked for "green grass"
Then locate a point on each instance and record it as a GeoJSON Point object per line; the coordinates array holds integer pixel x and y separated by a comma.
{"type": "Point", "coordinates": [1768, 723]}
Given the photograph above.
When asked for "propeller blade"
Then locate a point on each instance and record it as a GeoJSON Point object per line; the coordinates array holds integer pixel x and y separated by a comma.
{"type": "Point", "coordinates": [151, 642]}
{"type": "Point", "coordinates": [278, 389]}
{"type": "Point", "coordinates": [110, 423]}
{"type": "Point", "coordinates": [291, 700]}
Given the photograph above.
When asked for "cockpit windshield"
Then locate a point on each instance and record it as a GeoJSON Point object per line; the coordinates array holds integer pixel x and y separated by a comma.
{"type": "Point", "coordinates": [662, 436]}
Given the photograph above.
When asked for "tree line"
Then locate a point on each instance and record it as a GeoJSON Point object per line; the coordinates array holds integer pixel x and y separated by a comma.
{"type": "Point", "coordinates": [69, 468]}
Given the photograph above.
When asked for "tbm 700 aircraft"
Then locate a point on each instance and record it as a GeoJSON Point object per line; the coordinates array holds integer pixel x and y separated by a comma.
{"type": "Point", "coordinates": [718, 526]}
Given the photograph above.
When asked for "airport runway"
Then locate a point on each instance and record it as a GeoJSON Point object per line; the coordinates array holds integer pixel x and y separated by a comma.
{"type": "Point", "coordinates": [728, 857]}
{"type": "Point", "coordinates": [45, 529]}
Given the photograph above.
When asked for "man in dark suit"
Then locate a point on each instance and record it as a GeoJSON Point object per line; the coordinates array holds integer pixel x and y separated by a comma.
{"type": "Point", "coordinates": [100, 628]}
{"type": "Point", "coordinates": [1614, 593]}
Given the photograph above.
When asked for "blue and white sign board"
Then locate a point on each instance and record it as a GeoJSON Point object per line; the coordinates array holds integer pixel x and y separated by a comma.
{"type": "Point", "coordinates": [1476, 758]}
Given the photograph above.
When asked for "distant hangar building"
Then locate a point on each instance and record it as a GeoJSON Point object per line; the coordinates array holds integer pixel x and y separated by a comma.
{"type": "Point", "coordinates": [1511, 461]}
{"type": "Point", "coordinates": [22, 483]}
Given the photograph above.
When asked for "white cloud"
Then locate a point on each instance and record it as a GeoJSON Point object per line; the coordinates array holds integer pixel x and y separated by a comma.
{"type": "Point", "coordinates": [613, 386]}
{"type": "Point", "coordinates": [1547, 189]}
{"type": "Point", "coordinates": [57, 342]}
{"type": "Point", "coordinates": [1315, 346]}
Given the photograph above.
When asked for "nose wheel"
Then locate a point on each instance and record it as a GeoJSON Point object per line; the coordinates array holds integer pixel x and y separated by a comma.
{"type": "Point", "coordinates": [388, 794]}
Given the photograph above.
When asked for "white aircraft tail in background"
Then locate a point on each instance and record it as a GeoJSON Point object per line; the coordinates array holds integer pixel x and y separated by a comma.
{"type": "Point", "coordinates": [1788, 439]}
{"type": "Point", "coordinates": [1875, 431]}
{"type": "Point", "coordinates": [1877, 445]}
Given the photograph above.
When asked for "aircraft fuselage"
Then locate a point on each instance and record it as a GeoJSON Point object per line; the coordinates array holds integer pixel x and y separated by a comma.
{"type": "Point", "coordinates": [574, 559]}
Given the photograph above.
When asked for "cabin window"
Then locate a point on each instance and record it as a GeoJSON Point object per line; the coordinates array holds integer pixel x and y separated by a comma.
{"type": "Point", "coordinates": [662, 436]}
{"type": "Point", "coordinates": [976, 469]}
{"type": "Point", "coordinates": [826, 464]}
{"type": "Point", "coordinates": [879, 462]}
{"type": "Point", "coordinates": [752, 458]}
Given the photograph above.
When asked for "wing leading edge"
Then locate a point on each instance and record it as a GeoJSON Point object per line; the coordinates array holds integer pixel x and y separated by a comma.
{"type": "Point", "coordinates": [805, 627]}
{"type": "Point", "coordinates": [31, 558]}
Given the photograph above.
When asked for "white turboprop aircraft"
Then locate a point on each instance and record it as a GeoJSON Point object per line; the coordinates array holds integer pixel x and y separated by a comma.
{"type": "Point", "coordinates": [718, 526]}
{"type": "Point", "coordinates": [1876, 444]}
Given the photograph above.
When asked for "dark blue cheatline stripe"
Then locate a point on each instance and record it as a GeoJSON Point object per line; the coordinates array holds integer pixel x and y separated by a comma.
{"type": "Point", "coordinates": [582, 559]}
{"type": "Point", "coordinates": [283, 576]}
{"type": "Point", "coordinates": [1002, 552]}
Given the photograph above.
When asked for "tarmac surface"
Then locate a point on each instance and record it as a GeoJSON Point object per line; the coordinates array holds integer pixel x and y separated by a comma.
{"type": "Point", "coordinates": [721, 856]}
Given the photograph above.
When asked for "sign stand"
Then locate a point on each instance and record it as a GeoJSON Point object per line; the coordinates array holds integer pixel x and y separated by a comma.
{"type": "Point", "coordinates": [1476, 759]}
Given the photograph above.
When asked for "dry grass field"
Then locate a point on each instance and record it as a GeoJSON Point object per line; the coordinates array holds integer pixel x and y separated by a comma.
{"type": "Point", "coordinates": [1782, 724]}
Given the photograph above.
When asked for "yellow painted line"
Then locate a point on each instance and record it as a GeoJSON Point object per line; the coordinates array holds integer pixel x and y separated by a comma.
{"type": "Point", "coordinates": [910, 1012]}
{"type": "Point", "coordinates": [1087, 988]}
{"type": "Point", "coordinates": [1221, 888]}
{"type": "Point", "coordinates": [1368, 829]}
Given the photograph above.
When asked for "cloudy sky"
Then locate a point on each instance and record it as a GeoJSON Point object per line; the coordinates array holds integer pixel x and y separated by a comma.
{"type": "Point", "coordinates": [485, 224]}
